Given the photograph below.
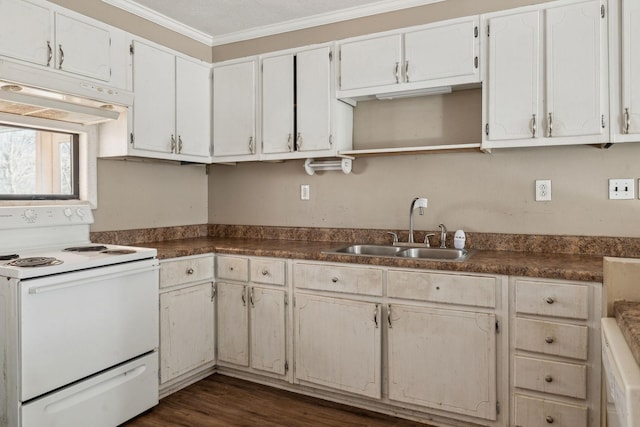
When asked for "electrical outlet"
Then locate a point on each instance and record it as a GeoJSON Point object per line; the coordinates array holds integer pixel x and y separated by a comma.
{"type": "Point", "coordinates": [304, 192]}
{"type": "Point", "coordinates": [543, 190]}
{"type": "Point", "coordinates": [622, 189]}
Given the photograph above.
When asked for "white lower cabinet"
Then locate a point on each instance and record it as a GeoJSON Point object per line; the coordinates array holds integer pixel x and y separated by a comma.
{"type": "Point", "coordinates": [187, 321]}
{"type": "Point", "coordinates": [252, 314]}
{"type": "Point", "coordinates": [338, 343]}
{"type": "Point", "coordinates": [443, 359]}
{"type": "Point", "coordinates": [555, 354]}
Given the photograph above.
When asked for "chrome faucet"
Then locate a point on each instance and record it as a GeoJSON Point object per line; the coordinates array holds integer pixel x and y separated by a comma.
{"type": "Point", "coordinates": [417, 203]}
{"type": "Point", "coordinates": [443, 236]}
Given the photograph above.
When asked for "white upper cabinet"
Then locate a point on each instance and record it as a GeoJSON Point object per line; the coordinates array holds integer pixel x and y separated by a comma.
{"type": "Point", "coordinates": [154, 106]}
{"type": "Point", "coordinates": [37, 33]}
{"type": "Point", "coordinates": [371, 62]}
{"type": "Point", "coordinates": [234, 110]}
{"type": "Point", "coordinates": [546, 76]}
{"type": "Point", "coordinates": [440, 54]}
{"type": "Point", "coordinates": [624, 20]}
{"type": "Point", "coordinates": [171, 114]}
{"type": "Point", "coordinates": [26, 30]}
{"type": "Point", "coordinates": [300, 115]}
{"type": "Point", "coordinates": [82, 48]}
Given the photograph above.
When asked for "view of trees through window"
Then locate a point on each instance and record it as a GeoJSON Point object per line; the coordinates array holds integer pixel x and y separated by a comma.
{"type": "Point", "coordinates": [36, 163]}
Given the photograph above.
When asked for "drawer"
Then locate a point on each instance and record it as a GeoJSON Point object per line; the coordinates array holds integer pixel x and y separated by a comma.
{"type": "Point", "coordinates": [532, 412]}
{"type": "Point", "coordinates": [233, 268]}
{"type": "Point", "coordinates": [185, 270]}
{"type": "Point", "coordinates": [552, 299]}
{"type": "Point", "coordinates": [566, 379]}
{"type": "Point", "coordinates": [268, 271]}
{"type": "Point", "coordinates": [559, 339]}
{"type": "Point", "coordinates": [355, 280]}
{"type": "Point", "coordinates": [478, 291]}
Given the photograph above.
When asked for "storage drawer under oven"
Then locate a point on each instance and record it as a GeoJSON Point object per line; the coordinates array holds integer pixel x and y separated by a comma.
{"type": "Point", "coordinates": [77, 324]}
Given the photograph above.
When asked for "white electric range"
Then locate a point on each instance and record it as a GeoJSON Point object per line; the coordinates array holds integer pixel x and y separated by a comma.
{"type": "Point", "coordinates": [78, 322]}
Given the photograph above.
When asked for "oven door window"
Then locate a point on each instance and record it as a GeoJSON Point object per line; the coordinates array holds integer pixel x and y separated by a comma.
{"type": "Point", "coordinates": [37, 164]}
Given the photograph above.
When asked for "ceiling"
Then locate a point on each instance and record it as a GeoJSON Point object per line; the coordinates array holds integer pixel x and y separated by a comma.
{"type": "Point", "coordinates": [223, 21]}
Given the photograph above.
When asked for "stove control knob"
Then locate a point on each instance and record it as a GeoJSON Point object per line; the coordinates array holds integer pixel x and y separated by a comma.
{"type": "Point", "coordinates": [67, 212]}
{"type": "Point", "coordinates": [30, 215]}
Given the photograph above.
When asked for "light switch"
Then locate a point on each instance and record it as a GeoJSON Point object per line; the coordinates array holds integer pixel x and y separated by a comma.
{"type": "Point", "coordinates": [622, 189]}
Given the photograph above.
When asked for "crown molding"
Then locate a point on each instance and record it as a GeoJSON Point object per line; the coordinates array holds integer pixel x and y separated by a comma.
{"type": "Point", "coordinates": [267, 30]}
{"type": "Point", "coordinates": [162, 20]}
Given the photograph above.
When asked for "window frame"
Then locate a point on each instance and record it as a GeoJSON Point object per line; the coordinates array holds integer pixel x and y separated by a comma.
{"type": "Point", "coordinates": [87, 136]}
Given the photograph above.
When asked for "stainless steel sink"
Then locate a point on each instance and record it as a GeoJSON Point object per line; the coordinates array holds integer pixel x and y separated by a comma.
{"type": "Point", "coordinates": [450, 254]}
{"type": "Point", "coordinates": [375, 250]}
{"type": "Point", "coordinates": [446, 254]}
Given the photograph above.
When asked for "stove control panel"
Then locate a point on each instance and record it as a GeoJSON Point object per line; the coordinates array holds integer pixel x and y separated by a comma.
{"type": "Point", "coordinates": [12, 217]}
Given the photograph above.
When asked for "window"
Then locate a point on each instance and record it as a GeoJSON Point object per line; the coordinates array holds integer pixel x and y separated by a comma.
{"type": "Point", "coordinates": [38, 164]}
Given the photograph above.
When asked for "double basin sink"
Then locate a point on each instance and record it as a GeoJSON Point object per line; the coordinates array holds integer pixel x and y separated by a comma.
{"type": "Point", "coordinates": [443, 254]}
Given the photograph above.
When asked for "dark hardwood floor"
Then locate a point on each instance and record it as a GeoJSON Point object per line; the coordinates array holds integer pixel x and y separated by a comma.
{"type": "Point", "coordinates": [224, 401]}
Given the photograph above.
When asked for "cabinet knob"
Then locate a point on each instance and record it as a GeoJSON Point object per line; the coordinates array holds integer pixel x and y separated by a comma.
{"type": "Point", "coordinates": [548, 378]}
{"type": "Point", "coordinates": [230, 268]}
{"type": "Point", "coordinates": [549, 340]}
{"type": "Point", "coordinates": [550, 300]}
{"type": "Point", "coordinates": [265, 272]}
{"type": "Point", "coordinates": [549, 419]}
{"type": "Point", "coordinates": [190, 271]}
{"type": "Point", "coordinates": [334, 279]}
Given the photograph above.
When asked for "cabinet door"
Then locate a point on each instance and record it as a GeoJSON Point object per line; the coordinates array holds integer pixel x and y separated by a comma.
{"type": "Point", "coordinates": [268, 349]}
{"type": "Point", "coordinates": [193, 108]}
{"type": "Point", "coordinates": [154, 106]}
{"type": "Point", "coordinates": [234, 109]}
{"type": "Point", "coordinates": [372, 62]}
{"type": "Point", "coordinates": [313, 100]}
{"type": "Point", "coordinates": [574, 70]}
{"type": "Point", "coordinates": [513, 77]}
{"type": "Point", "coordinates": [82, 48]}
{"type": "Point", "coordinates": [277, 104]}
{"type": "Point", "coordinates": [233, 324]}
{"type": "Point", "coordinates": [338, 344]}
{"type": "Point", "coordinates": [26, 32]}
{"type": "Point", "coordinates": [631, 66]}
{"type": "Point", "coordinates": [443, 359]}
{"type": "Point", "coordinates": [187, 330]}
{"type": "Point", "coordinates": [441, 51]}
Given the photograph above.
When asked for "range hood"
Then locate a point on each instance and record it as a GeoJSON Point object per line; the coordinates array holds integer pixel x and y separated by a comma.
{"type": "Point", "coordinates": [34, 92]}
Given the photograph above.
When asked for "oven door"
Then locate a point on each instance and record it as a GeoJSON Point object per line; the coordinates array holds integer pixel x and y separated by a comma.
{"type": "Point", "coordinates": [77, 324]}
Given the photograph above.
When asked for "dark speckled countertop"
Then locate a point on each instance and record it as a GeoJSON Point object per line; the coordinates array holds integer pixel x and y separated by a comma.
{"type": "Point", "coordinates": [544, 265]}
{"type": "Point", "coordinates": [627, 315]}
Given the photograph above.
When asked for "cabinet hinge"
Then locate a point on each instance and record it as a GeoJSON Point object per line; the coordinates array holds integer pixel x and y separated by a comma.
{"type": "Point", "coordinates": [262, 68]}
{"type": "Point", "coordinates": [475, 32]}
{"type": "Point", "coordinates": [602, 11]}
{"type": "Point", "coordinates": [213, 291]}
{"type": "Point", "coordinates": [330, 55]}
{"type": "Point", "coordinates": [497, 327]}
{"type": "Point", "coordinates": [286, 366]}
{"type": "Point", "coordinates": [109, 41]}
{"type": "Point", "coordinates": [603, 124]}
{"type": "Point", "coordinates": [340, 82]}
{"type": "Point", "coordinates": [475, 61]}
{"type": "Point", "coordinates": [131, 49]}
{"type": "Point", "coordinates": [340, 55]}
{"type": "Point", "coordinates": [486, 129]}
{"type": "Point", "coordinates": [488, 28]}
{"type": "Point", "coordinates": [330, 140]}
{"type": "Point", "coordinates": [131, 138]}
{"type": "Point", "coordinates": [497, 407]}
{"type": "Point", "coordinates": [286, 299]}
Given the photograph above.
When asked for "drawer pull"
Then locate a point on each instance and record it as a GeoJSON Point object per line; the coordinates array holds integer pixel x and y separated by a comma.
{"type": "Point", "coordinates": [334, 279]}
{"type": "Point", "coordinates": [190, 271]}
{"type": "Point", "coordinates": [230, 268]}
{"type": "Point", "coordinates": [549, 340]}
{"type": "Point", "coordinates": [548, 378]}
{"type": "Point", "coordinates": [550, 300]}
{"type": "Point", "coordinates": [549, 419]}
{"type": "Point", "coordinates": [265, 272]}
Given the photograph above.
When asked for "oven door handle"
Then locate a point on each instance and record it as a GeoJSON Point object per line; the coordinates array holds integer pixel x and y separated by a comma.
{"type": "Point", "coordinates": [36, 290]}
